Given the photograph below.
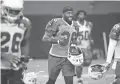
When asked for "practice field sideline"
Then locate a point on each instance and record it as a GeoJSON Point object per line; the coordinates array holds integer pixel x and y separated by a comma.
{"type": "Point", "coordinates": [41, 65]}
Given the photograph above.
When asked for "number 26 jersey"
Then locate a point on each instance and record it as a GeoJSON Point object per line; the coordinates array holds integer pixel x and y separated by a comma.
{"type": "Point", "coordinates": [12, 35]}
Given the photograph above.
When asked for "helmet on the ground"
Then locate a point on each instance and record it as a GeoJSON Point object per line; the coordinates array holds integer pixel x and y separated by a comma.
{"type": "Point", "coordinates": [30, 78]}
{"type": "Point", "coordinates": [96, 71]}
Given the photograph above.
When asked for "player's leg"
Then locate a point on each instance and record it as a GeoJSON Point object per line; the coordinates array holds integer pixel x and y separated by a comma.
{"type": "Point", "coordinates": [68, 79]}
{"type": "Point", "coordinates": [54, 67]}
{"type": "Point", "coordinates": [79, 70]}
{"type": "Point", "coordinates": [4, 76]}
{"type": "Point", "coordinates": [16, 77]}
{"type": "Point", "coordinates": [117, 73]}
{"type": "Point", "coordinates": [87, 57]}
{"type": "Point", "coordinates": [68, 71]}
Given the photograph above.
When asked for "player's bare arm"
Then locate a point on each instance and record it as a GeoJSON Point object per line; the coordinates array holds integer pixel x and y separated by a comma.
{"type": "Point", "coordinates": [90, 36]}
{"type": "Point", "coordinates": [25, 42]}
{"type": "Point", "coordinates": [112, 42]}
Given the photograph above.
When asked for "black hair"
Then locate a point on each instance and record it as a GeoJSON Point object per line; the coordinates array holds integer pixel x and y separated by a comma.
{"type": "Point", "coordinates": [81, 11]}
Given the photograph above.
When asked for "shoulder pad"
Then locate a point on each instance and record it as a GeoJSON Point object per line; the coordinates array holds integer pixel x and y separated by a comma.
{"type": "Point", "coordinates": [56, 19]}
{"type": "Point", "coordinates": [115, 32]}
{"type": "Point", "coordinates": [75, 23]}
{"type": "Point", "coordinates": [52, 24]}
{"type": "Point", "coordinates": [116, 26]}
{"type": "Point", "coordinates": [90, 24]}
{"type": "Point", "coordinates": [26, 22]}
{"type": "Point", "coordinates": [53, 21]}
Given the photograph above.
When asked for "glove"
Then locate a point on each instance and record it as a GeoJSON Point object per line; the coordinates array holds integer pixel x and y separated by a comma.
{"type": "Point", "coordinates": [22, 63]}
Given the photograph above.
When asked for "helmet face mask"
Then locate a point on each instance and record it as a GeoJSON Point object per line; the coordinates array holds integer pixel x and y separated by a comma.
{"type": "Point", "coordinates": [30, 78]}
{"type": "Point", "coordinates": [11, 11]}
{"type": "Point", "coordinates": [96, 71]}
{"type": "Point", "coordinates": [75, 55]}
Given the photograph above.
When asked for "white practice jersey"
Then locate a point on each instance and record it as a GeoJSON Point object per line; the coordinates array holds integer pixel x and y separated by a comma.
{"type": "Point", "coordinates": [84, 34]}
{"type": "Point", "coordinates": [11, 39]}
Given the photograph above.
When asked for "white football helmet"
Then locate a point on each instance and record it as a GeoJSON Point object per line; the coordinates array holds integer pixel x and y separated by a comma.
{"type": "Point", "coordinates": [30, 78]}
{"type": "Point", "coordinates": [11, 10]}
{"type": "Point", "coordinates": [75, 55]}
{"type": "Point", "coordinates": [97, 71]}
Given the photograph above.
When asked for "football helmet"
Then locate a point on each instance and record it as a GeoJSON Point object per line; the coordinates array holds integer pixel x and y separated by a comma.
{"type": "Point", "coordinates": [30, 78]}
{"type": "Point", "coordinates": [97, 71]}
{"type": "Point", "coordinates": [11, 10]}
{"type": "Point", "coordinates": [75, 55]}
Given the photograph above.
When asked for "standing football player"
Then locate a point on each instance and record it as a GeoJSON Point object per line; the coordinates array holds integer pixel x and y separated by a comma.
{"type": "Point", "coordinates": [114, 46]}
{"type": "Point", "coordinates": [15, 32]}
{"type": "Point", "coordinates": [84, 41]}
{"type": "Point", "coordinates": [59, 32]}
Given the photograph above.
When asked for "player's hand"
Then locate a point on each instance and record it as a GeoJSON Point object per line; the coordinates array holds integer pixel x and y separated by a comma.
{"type": "Point", "coordinates": [22, 63]}
{"type": "Point", "coordinates": [107, 65]}
{"type": "Point", "coordinates": [25, 59]}
{"type": "Point", "coordinates": [63, 41]}
{"type": "Point", "coordinates": [55, 39]}
{"type": "Point", "coordinates": [23, 66]}
{"type": "Point", "coordinates": [10, 58]}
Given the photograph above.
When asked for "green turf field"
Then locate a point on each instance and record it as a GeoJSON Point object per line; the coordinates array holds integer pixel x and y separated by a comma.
{"type": "Point", "coordinates": [41, 65]}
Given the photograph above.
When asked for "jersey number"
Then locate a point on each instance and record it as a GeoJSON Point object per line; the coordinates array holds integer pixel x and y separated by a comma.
{"type": "Point", "coordinates": [5, 36]}
{"type": "Point", "coordinates": [83, 35]}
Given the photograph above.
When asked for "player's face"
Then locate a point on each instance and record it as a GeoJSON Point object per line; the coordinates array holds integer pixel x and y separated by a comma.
{"type": "Point", "coordinates": [14, 12]}
{"type": "Point", "coordinates": [68, 15]}
{"type": "Point", "coordinates": [81, 16]}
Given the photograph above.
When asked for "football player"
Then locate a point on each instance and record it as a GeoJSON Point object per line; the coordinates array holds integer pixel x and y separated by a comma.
{"type": "Point", "coordinates": [114, 46]}
{"type": "Point", "coordinates": [59, 32]}
{"type": "Point", "coordinates": [84, 41]}
{"type": "Point", "coordinates": [15, 32]}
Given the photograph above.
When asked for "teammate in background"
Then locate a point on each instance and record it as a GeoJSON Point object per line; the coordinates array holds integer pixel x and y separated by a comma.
{"type": "Point", "coordinates": [114, 46]}
{"type": "Point", "coordinates": [59, 32]}
{"type": "Point", "coordinates": [84, 41]}
{"type": "Point", "coordinates": [15, 32]}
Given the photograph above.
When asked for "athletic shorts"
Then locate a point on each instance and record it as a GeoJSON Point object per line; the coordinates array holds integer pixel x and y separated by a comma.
{"type": "Point", "coordinates": [11, 77]}
{"type": "Point", "coordinates": [56, 64]}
